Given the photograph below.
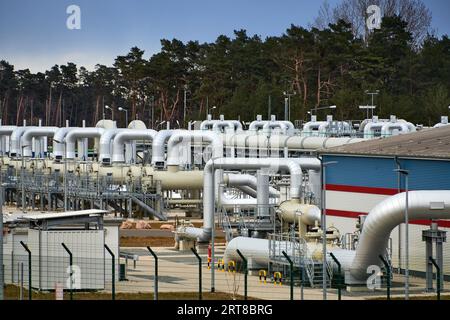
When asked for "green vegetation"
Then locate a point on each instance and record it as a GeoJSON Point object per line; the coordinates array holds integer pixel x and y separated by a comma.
{"type": "Point", "coordinates": [239, 75]}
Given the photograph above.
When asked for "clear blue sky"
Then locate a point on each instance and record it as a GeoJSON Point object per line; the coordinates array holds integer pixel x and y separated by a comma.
{"type": "Point", "coordinates": [33, 33]}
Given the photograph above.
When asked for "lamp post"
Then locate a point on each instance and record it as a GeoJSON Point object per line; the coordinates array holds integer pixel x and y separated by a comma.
{"type": "Point", "coordinates": [126, 115]}
{"type": "Point", "coordinates": [112, 112]}
{"type": "Point", "coordinates": [406, 174]}
{"type": "Point", "coordinates": [310, 112]}
{"type": "Point", "coordinates": [212, 109]}
{"type": "Point", "coordinates": [367, 108]}
{"type": "Point", "coordinates": [377, 92]}
{"type": "Point", "coordinates": [152, 110]}
{"type": "Point", "coordinates": [185, 102]}
{"type": "Point", "coordinates": [324, 226]}
{"type": "Point", "coordinates": [288, 96]}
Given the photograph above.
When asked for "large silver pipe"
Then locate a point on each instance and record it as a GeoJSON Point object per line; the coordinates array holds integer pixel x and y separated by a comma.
{"type": "Point", "coordinates": [129, 135]}
{"type": "Point", "coordinates": [389, 127]}
{"type": "Point", "coordinates": [5, 136]}
{"type": "Point", "coordinates": [60, 135]}
{"type": "Point", "coordinates": [73, 135]}
{"type": "Point", "coordinates": [31, 132]}
{"type": "Point", "coordinates": [174, 153]}
{"type": "Point", "coordinates": [271, 164]}
{"type": "Point", "coordinates": [159, 146]}
{"type": "Point", "coordinates": [422, 205]}
{"type": "Point", "coordinates": [106, 139]}
{"type": "Point", "coordinates": [16, 138]}
{"type": "Point", "coordinates": [238, 180]}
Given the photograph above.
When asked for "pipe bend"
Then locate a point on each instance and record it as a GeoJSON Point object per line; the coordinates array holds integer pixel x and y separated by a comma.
{"type": "Point", "coordinates": [382, 219]}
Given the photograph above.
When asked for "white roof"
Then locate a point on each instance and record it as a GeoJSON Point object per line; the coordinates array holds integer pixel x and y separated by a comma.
{"type": "Point", "coordinates": [58, 215]}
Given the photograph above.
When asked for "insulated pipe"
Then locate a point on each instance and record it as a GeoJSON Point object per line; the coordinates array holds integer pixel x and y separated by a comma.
{"type": "Point", "coordinates": [269, 126]}
{"type": "Point", "coordinates": [60, 134]}
{"type": "Point", "coordinates": [389, 127]}
{"type": "Point", "coordinates": [369, 129]}
{"type": "Point", "coordinates": [173, 150]}
{"type": "Point", "coordinates": [218, 126]}
{"type": "Point", "coordinates": [238, 180]}
{"type": "Point", "coordinates": [159, 146]}
{"type": "Point", "coordinates": [242, 164]}
{"type": "Point", "coordinates": [128, 135]}
{"type": "Point", "coordinates": [5, 135]}
{"type": "Point", "coordinates": [106, 144]}
{"type": "Point", "coordinates": [310, 126]}
{"type": "Point", "coordinates": [73, 135]}
{"type": "Point", "coordinates": [422, 205]}
{"type": "Point", "coordinates": [16, 137]}
{"type": "Point", "coordinates": [28, 135]}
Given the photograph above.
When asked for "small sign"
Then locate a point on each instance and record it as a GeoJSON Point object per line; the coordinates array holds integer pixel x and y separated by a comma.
{"type": "Point", "coordinates": [59, 291]}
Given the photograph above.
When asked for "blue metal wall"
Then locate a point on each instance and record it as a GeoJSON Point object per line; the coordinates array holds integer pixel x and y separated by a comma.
{"type": "Point", "coordinates": [379, 172]}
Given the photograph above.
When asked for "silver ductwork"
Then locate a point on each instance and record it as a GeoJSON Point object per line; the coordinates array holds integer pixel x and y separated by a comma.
{"type": "Point", "coordinates": [129, 135]}
{"type": "Point", "coordinates": [32, 132]}
{"type": "Point", "coordinates": [174, 155]}
{"type": "Point", "coordinates": [159, 146]}
{"type": "Point", "coordinates": [79, 133]}
{"type": "Point", "coordinates": [60, 135]}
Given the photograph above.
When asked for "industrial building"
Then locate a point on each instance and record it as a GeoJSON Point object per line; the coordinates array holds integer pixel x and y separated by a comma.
{"type": "Point", "coordinates": [325, 187]}
{"type": "Point", "coordinates": [362, 175]}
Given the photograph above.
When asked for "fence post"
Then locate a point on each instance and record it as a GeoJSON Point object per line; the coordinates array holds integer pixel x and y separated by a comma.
{"type": "Point", "coordinates": [438, 274]}
{"type": "Point", "coordinates": [113, 274]}
{"type": "Point", "coordinates": [339, 275]}
{"type": "Point", "coordinates": [155, 294]}
{"type": "Point", "coordinates": [199, 273]}
{"type": "Point", "coordinates": [29, 269]}
{"type": "Point", "coordinates": [291, 274]}
{"type": "Point", "coordinates": [70, 265]}
{"type": "Point", "coordinates": [245, 272]}
{"type": "Point", "coordinates": [388, 271]}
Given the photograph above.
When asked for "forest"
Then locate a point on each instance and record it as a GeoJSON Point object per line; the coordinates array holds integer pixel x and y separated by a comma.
{"type": "Point", "coordinates": [328, 63]}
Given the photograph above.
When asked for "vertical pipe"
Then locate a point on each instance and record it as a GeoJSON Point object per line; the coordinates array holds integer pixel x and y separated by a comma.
{"type": "Point", "coordinates": [324, 236]}
{"type": "Point", "coordinates": [1, 246]}
{"type": "Point", "coordinates": [406, 241]}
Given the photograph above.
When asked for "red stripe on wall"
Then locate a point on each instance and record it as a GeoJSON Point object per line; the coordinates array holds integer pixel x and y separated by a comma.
{"type": "Point", "coordinates": [350, 214]}
{"type": "Point", "coordinates": [355, 189]}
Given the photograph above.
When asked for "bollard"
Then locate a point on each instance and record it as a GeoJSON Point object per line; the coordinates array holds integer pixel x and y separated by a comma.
{"type": "Point", "coordinates": [231, 266]}
{"type": "Point", "coordinates": [70, 265]}
{"type": "Point", "coordinates": [339, 275]}
{"type": "Point", "coordinates": [263, 274]}
{"type": "Point", "coordinates": [199, 273]}
{"type": "Point", "coordinates": [438, 274]}
{"type": "Point", "coordinates": [388, 271]}
{"type": "Point", "coordinates": [277, 277]}
{"type": "Point", "coordinates": [113, 274]}
{"type": "Point", "coordinates": [155, 287]}
{"type": "Point", "coordinates": [29, 269]}
{"type": "Point", "coordinates": [291, 274]}
{"type": "Point", "coordinates": [245, 272]}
